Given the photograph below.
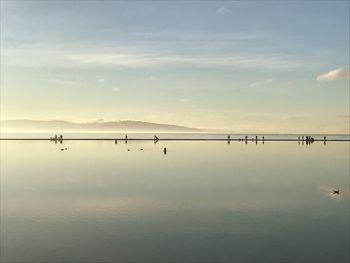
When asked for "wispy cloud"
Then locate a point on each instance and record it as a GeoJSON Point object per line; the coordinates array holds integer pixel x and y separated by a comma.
{"type": "Point", "coordinates": [157, 49]}
{"type": "Point", "coordinates": [116, 89]}
{"type": "Point", "coordinates": [144, 60]}
{"type": "Point", "coordinates": [260, 83]}
{"type": "Point", "coordinates": [334, 75]}
{"type": "Point", "coordinates": [222, 11]}
{"type": "Point", "coordinates": [64, 82]}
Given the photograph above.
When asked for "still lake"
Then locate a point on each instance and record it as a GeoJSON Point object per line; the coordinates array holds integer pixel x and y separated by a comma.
{"type": "Point", "coordinates": [202, 201]}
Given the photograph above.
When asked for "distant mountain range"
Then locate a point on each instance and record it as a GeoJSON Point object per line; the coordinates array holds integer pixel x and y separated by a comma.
{"type": "Point", "coordinates": [61, 125]}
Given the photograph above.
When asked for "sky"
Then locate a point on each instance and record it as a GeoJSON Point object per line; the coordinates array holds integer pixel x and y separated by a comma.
{"type": "Point", "coordinates": [241, 66]}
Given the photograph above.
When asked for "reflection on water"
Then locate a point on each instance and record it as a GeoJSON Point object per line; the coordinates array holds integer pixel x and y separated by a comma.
{"type": "Point", "coordinates": [202, 201]}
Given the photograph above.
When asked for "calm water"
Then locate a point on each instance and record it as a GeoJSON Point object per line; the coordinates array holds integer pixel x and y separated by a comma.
{"type": "Point", "coordinates": [202, 201]}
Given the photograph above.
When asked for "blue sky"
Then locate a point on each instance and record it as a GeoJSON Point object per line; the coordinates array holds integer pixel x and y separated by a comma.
{"type": "Point", "coordinates": [264, 66]}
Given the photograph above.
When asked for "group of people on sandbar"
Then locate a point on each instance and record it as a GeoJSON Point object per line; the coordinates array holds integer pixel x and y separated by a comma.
{"type": "Point", "coordinates": [308, 139]}
{"type": "Point", "coordinates": [256, 139]}
{"type": "Point", "coordinates": [57, 138]}
{"type": "Point", "coordinates": [155, 138]}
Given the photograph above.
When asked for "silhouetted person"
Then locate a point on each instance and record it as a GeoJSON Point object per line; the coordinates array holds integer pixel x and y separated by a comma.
{"type": "Point", "coordinates": [155, 138]}
{"type": "Point", "coordinates": [256, 138]}
{"type": "Point", "coordinates": [126, 137]}
{"type": "Point", "coordinates": [164, 150]}
{"type": "Point", "coordinates": [246, 138]}
{"type": "Point", "coordinates": [324, 138]}
{"type": "Point", "coordinates": [61, 137]}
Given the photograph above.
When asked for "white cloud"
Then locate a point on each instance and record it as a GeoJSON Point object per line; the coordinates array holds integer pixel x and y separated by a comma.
{"type": "Point", "coordinates": [334, 75]}
{"type": "Point", "coordinates": [260, 83]}
{"type": "Point", "coordinates": [101, 80]}
{"type": "Point", "coordinates": [116, 89]}
{"type": "Point", "coordinates": [63, 82]}
{"type": "Point", "coordinates": [70, 83]}
{"type": "Point", "coordinates": [222, 11]}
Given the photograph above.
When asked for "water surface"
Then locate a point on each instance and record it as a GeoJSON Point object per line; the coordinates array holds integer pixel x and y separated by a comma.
{"type": "Point", "coordinates": [202, 201]}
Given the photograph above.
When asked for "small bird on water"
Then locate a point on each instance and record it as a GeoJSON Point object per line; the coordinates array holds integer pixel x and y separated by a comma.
{"type": "Point", "coordinates": [336, 192]}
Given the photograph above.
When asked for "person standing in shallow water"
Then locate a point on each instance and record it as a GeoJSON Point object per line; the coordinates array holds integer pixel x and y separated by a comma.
{"type": "Point", "coordinates": [164, 150]}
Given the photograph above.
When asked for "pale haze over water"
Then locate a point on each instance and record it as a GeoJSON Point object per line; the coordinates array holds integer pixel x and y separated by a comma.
{"type": "Point", "coordinates": [202, 201]}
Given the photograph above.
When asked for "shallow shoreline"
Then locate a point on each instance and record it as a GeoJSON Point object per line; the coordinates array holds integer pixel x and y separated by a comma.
{"type": "Point", "coordinates": [174, 139]}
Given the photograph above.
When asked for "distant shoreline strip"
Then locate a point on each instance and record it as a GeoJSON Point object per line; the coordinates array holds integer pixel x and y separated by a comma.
{"type": "Point", "coordinates": [173, 139]}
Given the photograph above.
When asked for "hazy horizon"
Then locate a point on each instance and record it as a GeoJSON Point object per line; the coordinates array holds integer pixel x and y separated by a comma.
{"type": "Point", "coordinates": [133, 126]}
